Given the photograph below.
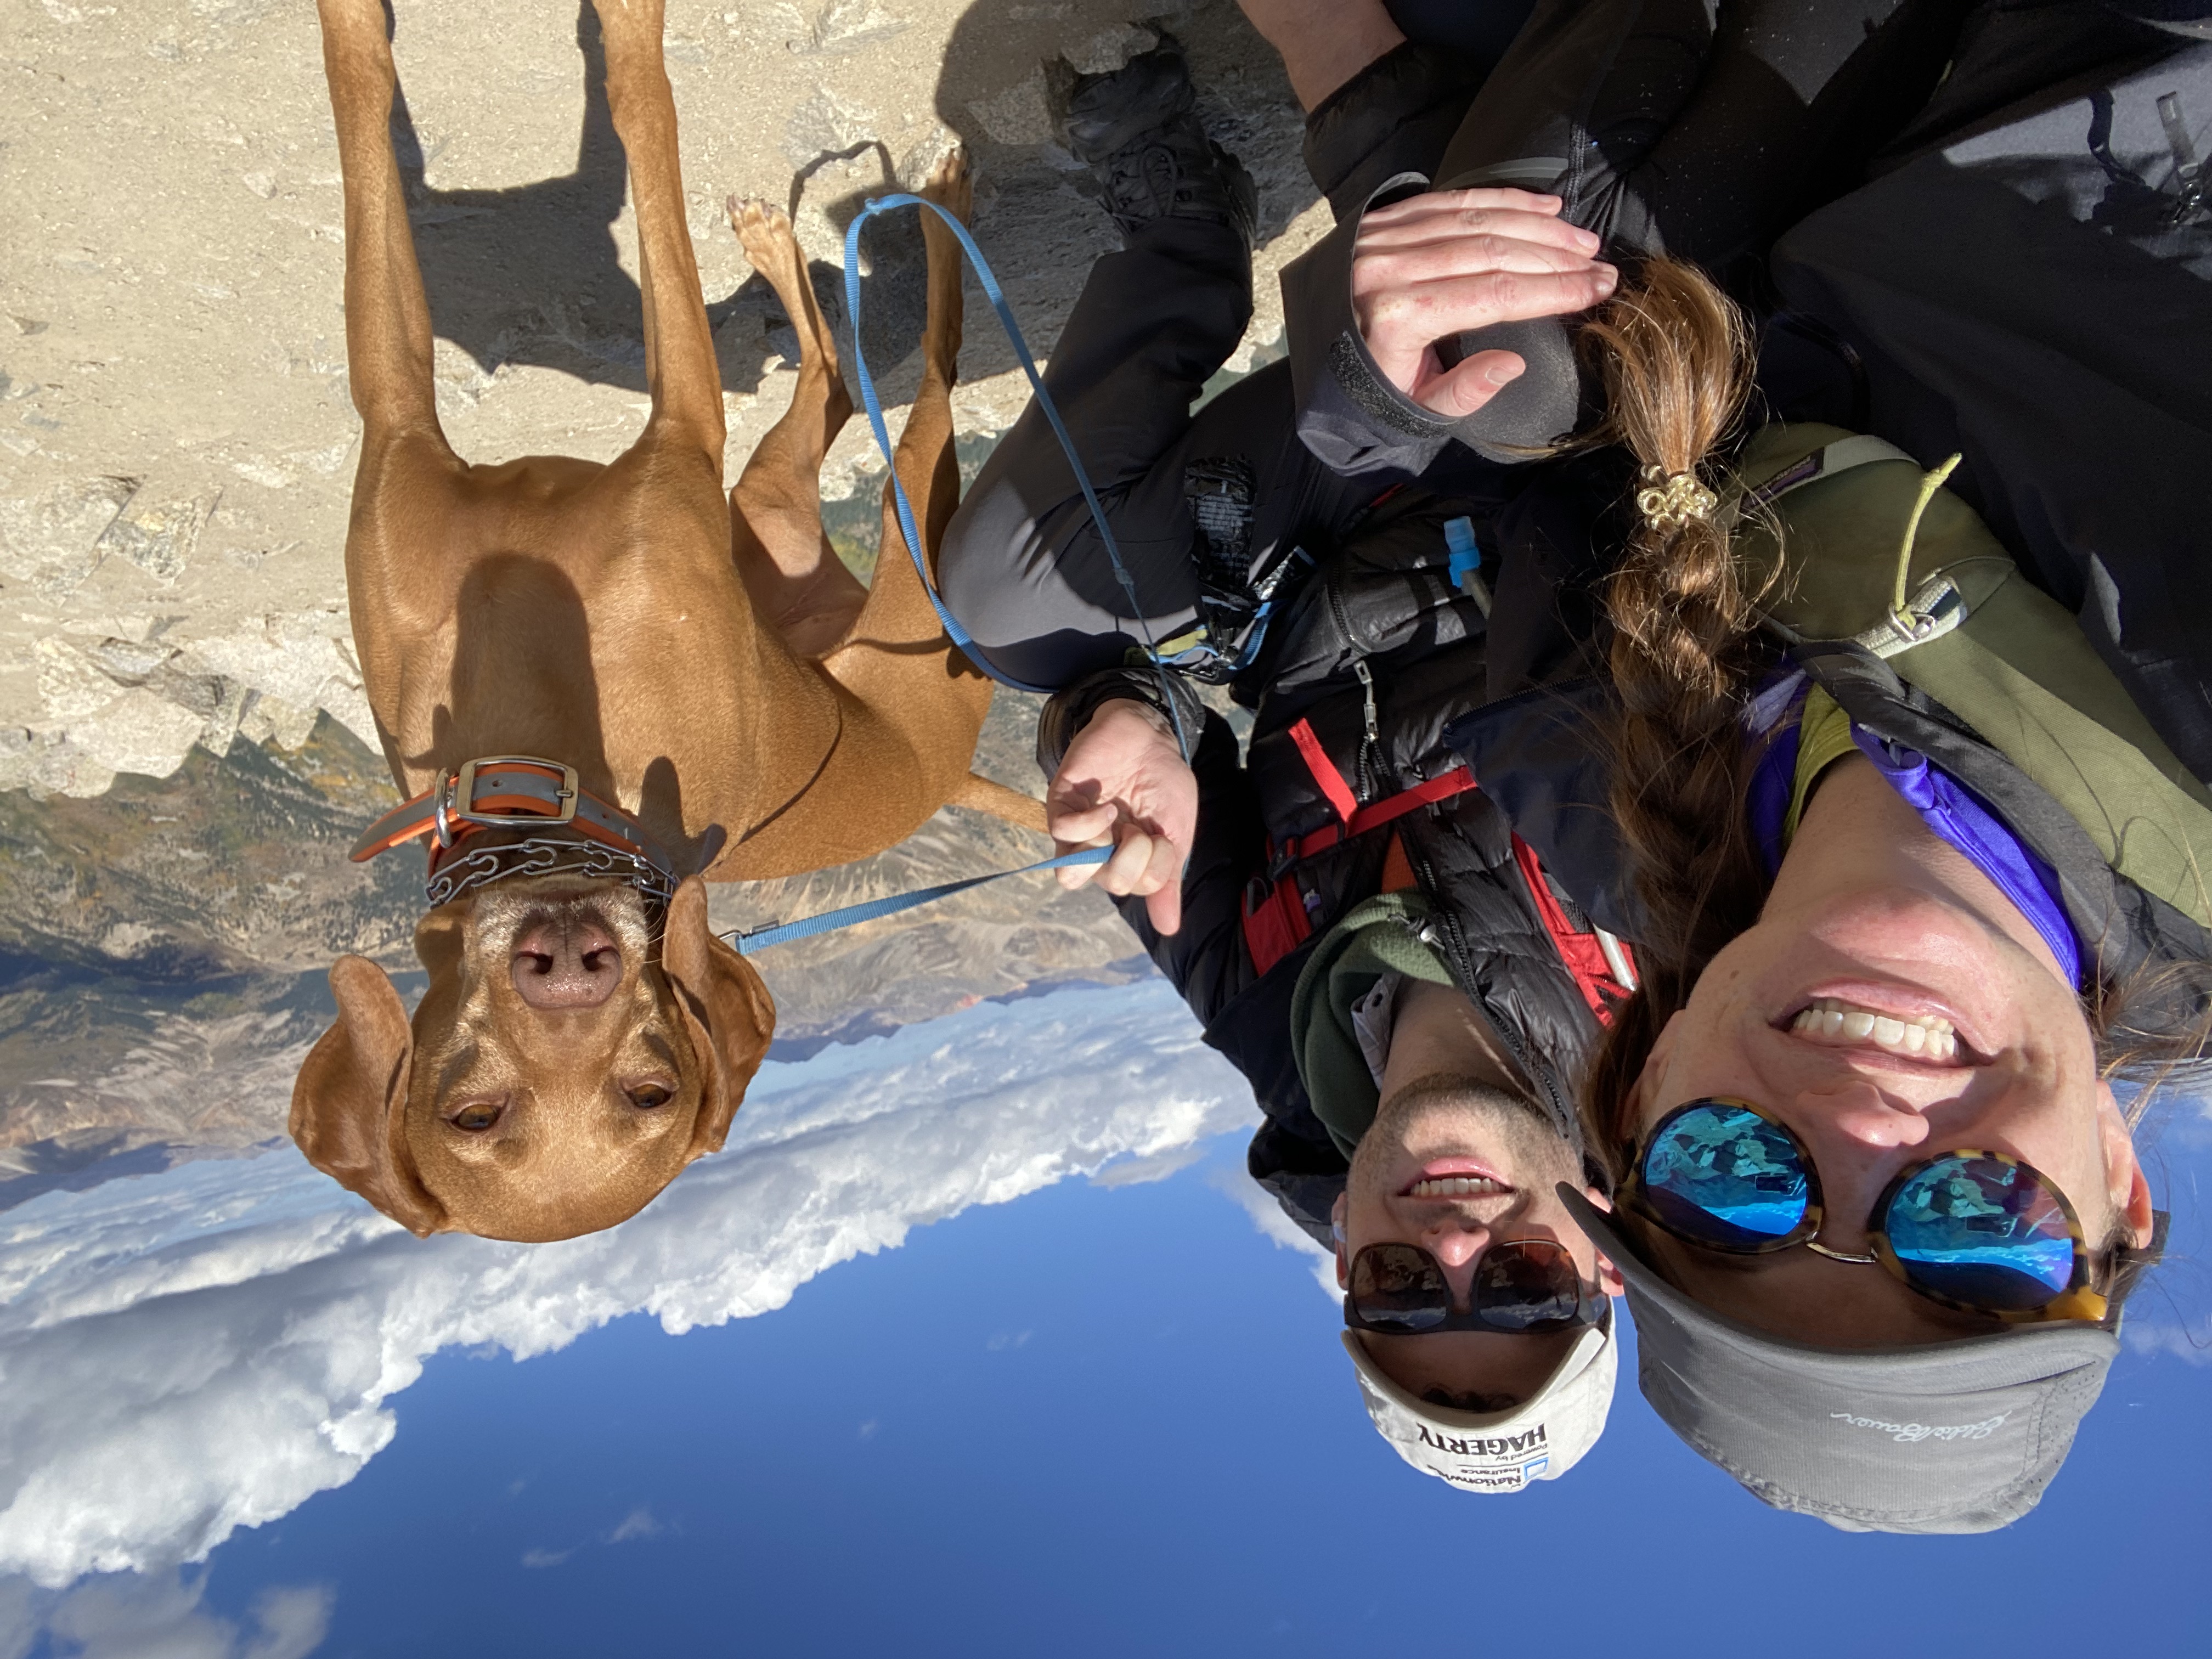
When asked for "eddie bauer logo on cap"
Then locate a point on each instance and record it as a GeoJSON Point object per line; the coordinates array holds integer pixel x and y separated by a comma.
{"type": "Point", "coordinates": [1906, 1433]}
{"type": "Point", "coordinates": [1476, 1446]}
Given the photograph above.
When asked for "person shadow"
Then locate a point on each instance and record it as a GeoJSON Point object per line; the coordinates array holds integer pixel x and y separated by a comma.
{"type": "Point", "coordinates": [1038, 216]}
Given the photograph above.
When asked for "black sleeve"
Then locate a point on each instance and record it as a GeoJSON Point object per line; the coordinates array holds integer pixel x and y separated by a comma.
{"type": "Point", "coordinates": [1246, 1015]}
{"type": "Point", "coordinates": [1701, 128]}
{"type": "Point", "coordinates": [1068, 710]}
{"type": "Point", "coordinates": [1206, 959]}
{"type": "Point", "coordinates": [1395, 116]}
{"type": "Point", "coordinates": [1357, 423]}
{"type": "Point", "coordinates": [1677, 126]}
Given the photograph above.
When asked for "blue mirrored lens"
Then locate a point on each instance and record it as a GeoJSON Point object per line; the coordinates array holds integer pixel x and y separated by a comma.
{"type": "Point", "coordinates": [1726, 1176]}
{"type": "Point", "coordinates": [1983, 1231]}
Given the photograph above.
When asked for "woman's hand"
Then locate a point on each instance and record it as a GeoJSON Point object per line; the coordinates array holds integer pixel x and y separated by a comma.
{"type": "Point", "coordinates": [1440, 264]}
{"type": "Point", "coordinates": [1124, 780]}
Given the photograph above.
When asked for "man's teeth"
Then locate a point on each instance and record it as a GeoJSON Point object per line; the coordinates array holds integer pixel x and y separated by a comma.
{"type": "Point", "coordinates": [1459, 1187]}
{"type": "Point", "coordinates": [1927, 1037]}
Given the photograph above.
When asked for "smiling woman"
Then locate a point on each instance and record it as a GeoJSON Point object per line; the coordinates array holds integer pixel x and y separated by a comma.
{"type": "Point", "coordinates": [1918, 872]}
{"type": "Point", "coordinates": [1875, 927]}
{"type": "Point", "coordinates": [1869, 948]}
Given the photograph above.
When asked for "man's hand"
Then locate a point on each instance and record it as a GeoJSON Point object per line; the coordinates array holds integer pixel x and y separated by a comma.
{"type": "Point", "coordinates": [1440, 264]}
{"type": "Point", "coordinates": [1124, 780]}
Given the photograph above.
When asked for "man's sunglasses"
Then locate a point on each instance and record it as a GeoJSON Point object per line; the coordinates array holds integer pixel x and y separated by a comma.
{"type": "Point", "coordinates": [1974, 1230]}
{"type": "Point", "coordinates": [1527, 1288]}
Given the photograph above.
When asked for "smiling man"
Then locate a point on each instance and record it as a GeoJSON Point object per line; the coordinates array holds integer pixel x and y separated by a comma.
{"type": "Point", "coordinates": [1337, 885]}
{"type": "Point", "coordinates": [1478, 1314]}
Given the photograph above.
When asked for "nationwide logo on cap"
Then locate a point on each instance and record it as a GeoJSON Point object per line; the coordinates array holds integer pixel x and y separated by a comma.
{"type": "Point", "coordinates": [1496, 1479]}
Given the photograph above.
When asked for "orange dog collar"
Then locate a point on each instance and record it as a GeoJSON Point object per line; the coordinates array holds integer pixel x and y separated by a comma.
{"type": "Point", "coordinates": [514, 792]}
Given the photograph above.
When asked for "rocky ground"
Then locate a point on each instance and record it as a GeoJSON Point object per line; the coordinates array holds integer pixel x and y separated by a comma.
{"type": "Point", "coordinates": [184, 748]}
{"type": "Point", "coordinates": [176, 439]}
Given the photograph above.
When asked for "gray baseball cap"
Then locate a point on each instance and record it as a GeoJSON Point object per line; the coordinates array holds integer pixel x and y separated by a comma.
{"type": "Point", "coordinates": [1945, 1437]}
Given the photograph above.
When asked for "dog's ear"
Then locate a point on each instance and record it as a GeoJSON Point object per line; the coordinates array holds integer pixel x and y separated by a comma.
{"type": "Point", "coordinates": [728, 1012]}
{"type": "Point", "coordinates": [351, 1100]}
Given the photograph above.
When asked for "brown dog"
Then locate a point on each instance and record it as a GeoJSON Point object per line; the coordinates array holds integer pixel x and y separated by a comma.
{"type": "Point", "coordinates": [732, 705]}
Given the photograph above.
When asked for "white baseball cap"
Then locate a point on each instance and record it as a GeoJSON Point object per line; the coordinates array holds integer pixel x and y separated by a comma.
{"type": "Point", "coordinates": [1540, 1439]}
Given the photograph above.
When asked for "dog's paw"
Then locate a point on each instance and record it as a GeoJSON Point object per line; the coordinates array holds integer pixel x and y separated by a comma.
{"type": "Point", "coordinates": [951, 186]}
{"type": "Point", "coordinates": [765, 233]}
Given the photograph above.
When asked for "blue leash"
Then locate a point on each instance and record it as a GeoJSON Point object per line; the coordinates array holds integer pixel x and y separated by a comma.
{"type": "Point", "coordinates": [873, 404]}
{"type": "Point", "coordinates": [830, 920]}
{"type": "Point", "coordinates": [760, 938]}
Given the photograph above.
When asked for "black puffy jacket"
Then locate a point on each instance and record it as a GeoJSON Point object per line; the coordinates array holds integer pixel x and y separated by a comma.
{"type": "Point", "coordinates": [1373, 655]}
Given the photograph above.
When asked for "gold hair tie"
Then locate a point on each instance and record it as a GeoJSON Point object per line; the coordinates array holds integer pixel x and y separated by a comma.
{"type": "Point", "coordinates": [1673, 500]}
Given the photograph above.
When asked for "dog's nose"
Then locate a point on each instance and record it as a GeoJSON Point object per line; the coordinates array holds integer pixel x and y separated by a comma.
{"type": "Point", "coordinates": [568, 962]}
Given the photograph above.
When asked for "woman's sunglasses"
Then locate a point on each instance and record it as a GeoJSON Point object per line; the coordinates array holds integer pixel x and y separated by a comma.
{"type": "Point", "coordinates": [1974, 1230]}
{"type": "Point", "coordinates": [1527, 1288]}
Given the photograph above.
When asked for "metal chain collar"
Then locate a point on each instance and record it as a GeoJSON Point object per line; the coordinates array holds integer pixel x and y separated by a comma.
{"type": "Point", "coordinates": [472, 867]}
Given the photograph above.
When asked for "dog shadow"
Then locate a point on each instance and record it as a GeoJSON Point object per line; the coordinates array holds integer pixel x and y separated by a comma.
{"type": "Point", "coordinates": [532, 275]}
{"type": "Point", "coordinates": [491, 650]}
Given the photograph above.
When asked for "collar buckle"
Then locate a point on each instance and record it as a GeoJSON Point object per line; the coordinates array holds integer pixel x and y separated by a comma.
{"type": "Point", "coordinates": [462, 797]}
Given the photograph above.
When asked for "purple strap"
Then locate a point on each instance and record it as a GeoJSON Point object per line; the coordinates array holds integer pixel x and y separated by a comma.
{"type": "Point", "coordinates": [1963, 818]}
{"type": "Point", "coordinates": [1947, 806]}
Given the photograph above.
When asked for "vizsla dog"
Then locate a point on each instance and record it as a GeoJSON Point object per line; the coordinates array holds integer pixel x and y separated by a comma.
{"type": "Point", "coordinates": [601, 686]}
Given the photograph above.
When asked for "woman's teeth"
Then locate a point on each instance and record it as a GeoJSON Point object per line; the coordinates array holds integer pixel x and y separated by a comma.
{"type": "Point", "coordinates": [1927, 1037]}
{"type": "Point", "coordinates": [1459, 1187]}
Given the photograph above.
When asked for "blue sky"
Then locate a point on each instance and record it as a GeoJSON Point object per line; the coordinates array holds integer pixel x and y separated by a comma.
{"type": "Point", "coordinates": [1108, 1416]}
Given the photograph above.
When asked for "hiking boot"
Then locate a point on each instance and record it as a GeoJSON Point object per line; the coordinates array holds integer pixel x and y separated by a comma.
{"type": "Point", "coordinates": [1137, 130]}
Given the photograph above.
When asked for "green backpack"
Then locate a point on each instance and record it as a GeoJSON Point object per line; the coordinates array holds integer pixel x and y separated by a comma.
{"type": "Point", "coordinates": [1872, 550]}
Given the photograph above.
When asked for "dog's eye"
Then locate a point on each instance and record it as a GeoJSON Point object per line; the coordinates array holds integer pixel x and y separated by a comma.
{"type": "Point", "coordinates": [476, 1118]}
{"type": "Point", "coordinates": [649, 1095]}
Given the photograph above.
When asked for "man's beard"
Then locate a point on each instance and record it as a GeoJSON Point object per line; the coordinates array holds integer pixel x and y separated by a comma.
{"type": "Point", "coordinates": [1500, 1125]}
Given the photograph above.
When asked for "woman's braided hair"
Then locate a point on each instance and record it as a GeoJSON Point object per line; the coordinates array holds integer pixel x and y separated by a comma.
{"type": "Point", "coordinates": [1676, 356]}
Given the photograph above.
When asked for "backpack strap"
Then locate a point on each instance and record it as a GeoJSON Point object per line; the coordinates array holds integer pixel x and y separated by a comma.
{"type": "Point", "coordinates": [1603, 968]}
{"type": "Point", "coordinates": [1276, 918]}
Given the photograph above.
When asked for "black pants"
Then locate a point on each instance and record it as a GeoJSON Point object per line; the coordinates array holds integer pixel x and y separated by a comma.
{"type": "Point", "coordinates": [1664, 123]}
{"type": "Point", "coordinates": [1023, 567]}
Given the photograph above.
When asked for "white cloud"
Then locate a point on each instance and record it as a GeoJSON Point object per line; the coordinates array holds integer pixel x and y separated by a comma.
{"type": "Point", "coordinates": [638, 1523]}
{"type": "Point", "coordinates": [187, 1353]}
{"type": "Point", "coordinates": [1143, 1172]}
{"type": "Point", "coordinates": [2190, 1343]}
{"type": "Point", "coordinates": [159, 1616]}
